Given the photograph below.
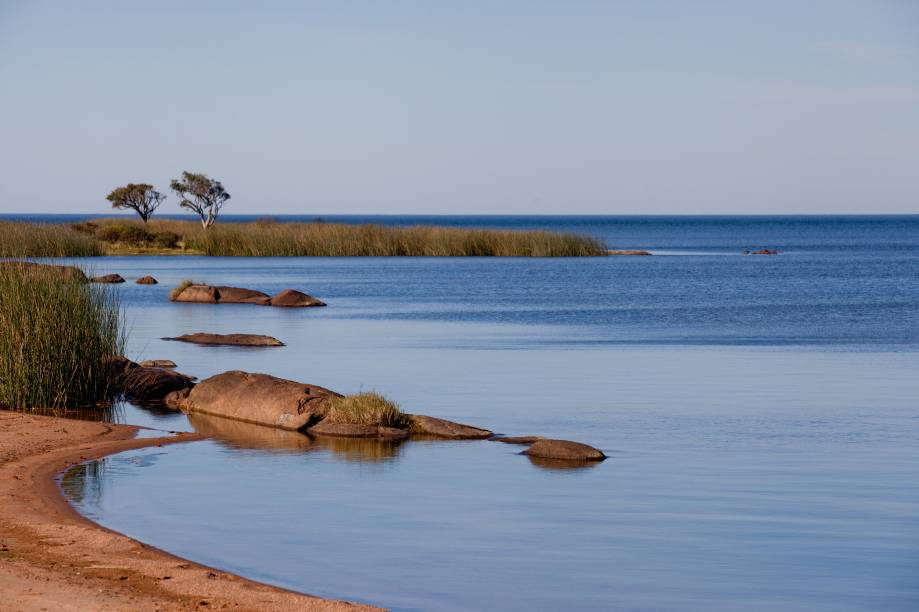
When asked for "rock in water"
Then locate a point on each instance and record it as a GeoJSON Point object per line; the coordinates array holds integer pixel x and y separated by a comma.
{"type": "Point", "coordinates": [147, 280]}
{"type": "Point", "coordinates": [354, 430]}
{"type": "Point", "coordinates": [142, 383]}
{"type": "Point", "coordinates": [108, 278]}
{"type": "Point", "coordinates": [228, 339]}
{"type": "Point", "coordinates": [237, 295]}
{"type": "Point", "coordinates": [564, 450]}
{"type": "Point", "coordinates": [290, 298]}
{"type": "Point", "coordinates": [259, 398]}
{"type": "Point", "coordinates": [441, 428]}
{"type": "Point", "coordinates": [203, 294]}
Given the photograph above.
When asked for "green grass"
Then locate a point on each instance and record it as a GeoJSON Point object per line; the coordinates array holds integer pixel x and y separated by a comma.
{"type": "Point", "coordinates": [273, 239]}
{"type": "Point", "coordinates": [366, 409]}
{"type": "Point", "coordinates": [42, 240]}
{"type": "Point", "coordinates": [55, 334]}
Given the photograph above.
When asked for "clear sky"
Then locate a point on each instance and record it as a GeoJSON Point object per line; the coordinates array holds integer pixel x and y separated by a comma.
{"type": "Point", "coordinates": [465, 107]}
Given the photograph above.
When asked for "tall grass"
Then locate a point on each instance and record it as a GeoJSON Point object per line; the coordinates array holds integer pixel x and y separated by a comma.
{"type": "Point", "coordinates": [272, 239]}
{"type": "Point", "coordinates": [367, 408]}
{"type": "Point", "coordinates": [42, 240]}
{"type": "Point", "coordinates": [55, 336]}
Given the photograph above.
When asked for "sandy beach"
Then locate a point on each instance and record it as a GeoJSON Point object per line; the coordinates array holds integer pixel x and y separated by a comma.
{"type": "Point", "coordinates": [52, 558]}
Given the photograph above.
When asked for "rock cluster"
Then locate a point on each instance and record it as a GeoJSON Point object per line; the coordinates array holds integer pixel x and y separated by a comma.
{"type": "Point", "coordinates": [207, 294]}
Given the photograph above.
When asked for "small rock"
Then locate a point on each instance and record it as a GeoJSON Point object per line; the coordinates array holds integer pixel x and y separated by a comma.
{"type": "Point", "coordinates": [516, 439]}
{"type": "Point", "coordinates": [147, 280]}
{"type": "Point", "coordinates": [441, 428]}
{"type": "Point", "coordinates": [108, 278]}
{"type": "Point", "coordinates": [564, 450]}
{"type": "Point", "coordinates": [153, 383]}
{"type": "Point", "coordinates": [290, 298]}
{"type": "Point", "coordinates": [639, 253]}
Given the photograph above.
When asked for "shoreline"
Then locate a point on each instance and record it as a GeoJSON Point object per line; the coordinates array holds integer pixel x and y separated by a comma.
{"type": "Point", "coordinates": [52, 557]}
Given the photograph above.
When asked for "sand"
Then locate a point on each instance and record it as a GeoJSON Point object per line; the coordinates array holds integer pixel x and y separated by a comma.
{"type": "Point", "coordinates": [52, 558]}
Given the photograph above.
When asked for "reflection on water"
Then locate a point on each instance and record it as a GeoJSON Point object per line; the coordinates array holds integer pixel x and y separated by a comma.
{"type": "Point", "coordinates": [82, 484]}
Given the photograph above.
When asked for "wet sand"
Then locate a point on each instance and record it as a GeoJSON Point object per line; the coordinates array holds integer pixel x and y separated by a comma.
{"type": "Point", "coordinates": [52, 558]}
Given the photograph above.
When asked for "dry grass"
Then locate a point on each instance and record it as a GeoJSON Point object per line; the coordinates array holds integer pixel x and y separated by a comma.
{"type": "Point", "coordinates": [366, 409]}
{"type": "Point", "coordinates": [55, 335]}
{"type": "Point", "coordinates": [273, 239]}
{"type": "Point", "coordinates": [185, 284]}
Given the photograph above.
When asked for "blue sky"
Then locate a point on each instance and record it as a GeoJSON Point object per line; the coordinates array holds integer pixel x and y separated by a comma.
{"type": "Point", "coordinates": [466, 107]}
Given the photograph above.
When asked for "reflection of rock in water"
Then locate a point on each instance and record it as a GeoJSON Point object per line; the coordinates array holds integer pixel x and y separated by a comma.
{"type": "Point", "coordinates": [82, 484]}
{"type": "Point", "coordinates": [242, 435]}
{"type": "Point", "coordinates": [562, 464]}
{"type": "Point", "coordinates": [239, 434]}
{"type": "Point", "coordinates": [360, 449]}
{"type": "Point", "coordinates": [154, 407]}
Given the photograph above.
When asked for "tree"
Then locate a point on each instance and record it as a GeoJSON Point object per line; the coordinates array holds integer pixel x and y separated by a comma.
{"type": "Point", "coordinates": [202, 195]}
{"type": "Point", "coordinates": [141, 198]}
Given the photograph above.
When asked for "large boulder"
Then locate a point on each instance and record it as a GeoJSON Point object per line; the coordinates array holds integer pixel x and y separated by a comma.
{"type": "Point", "coordinates": [291, 298]}
{"type": "Point", "coordinates": [228, 339]}
{"type": "Point", "coordinates": [259, 398]}
{"type": "Point", "coordinates": [354, 430]}
{"type": "Point", "coordinates": [147, 280]}
{"type": "Point", "coordinates": [441, 428]}
{"type": "Point", "coordinates": [147, 384]}
{"type": "Point", "coordinates": [564, 450]}
{"type": "Point", "coordinates": [108, 278]}
{"type": "Point", "coordinates": [69, 272]}
{"type": "Point", "coordinates": [202, 294]}
{"type": "Point", "coordinates": [238, 295]}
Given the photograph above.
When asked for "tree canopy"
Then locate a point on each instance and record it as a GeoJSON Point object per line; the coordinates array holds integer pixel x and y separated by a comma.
{"type": "Point", "coordinates": [202, 195]}
{"type": "Point", "coordinates": [139, 197]}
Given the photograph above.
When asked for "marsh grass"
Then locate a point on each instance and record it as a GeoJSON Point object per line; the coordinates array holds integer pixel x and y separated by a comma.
{"type": "Point", "coordinates": [55, 335]}
{"type": "Point", "coordinates": [367, 408]}
{"type": "Point", "coordinates": [44, 240]}
{"type": "Point", "coordinates": [273, 239]}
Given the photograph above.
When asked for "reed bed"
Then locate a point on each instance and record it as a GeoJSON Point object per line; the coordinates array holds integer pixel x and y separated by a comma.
{"type": "Point", "coordinates": [273, 239]}
{"type": "Point", "coordinates": [46, 240]}
{"type": "Point", "coordinates": [56, 334]}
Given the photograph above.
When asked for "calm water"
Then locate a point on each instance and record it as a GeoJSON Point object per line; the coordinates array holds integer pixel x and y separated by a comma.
{"type": "Point", "coordinates": [760, 414]}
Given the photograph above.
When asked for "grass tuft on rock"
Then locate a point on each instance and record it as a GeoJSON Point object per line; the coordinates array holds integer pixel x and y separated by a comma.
{"type": "Point", "coordinates": [367, 408]}
{"type": "Point", "coordinates": [56, 334]}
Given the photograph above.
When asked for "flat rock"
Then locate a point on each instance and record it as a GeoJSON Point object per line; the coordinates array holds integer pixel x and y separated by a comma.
{"type": "Point", "coordinates": [291, 298]}
{"type": "Point", "coordinates": [353, 430]}
{"type": "Point", "coordinates": [70, 272]}
{"type": "Point", "coordinates": [259, 398]}
{"type": "Point", "coordinates": [441, 428]}
{"type": "Point", "coordinates": [632, 253]}
{"type": "Point", "coordinates": [108, 278]}
{"type": "Point", "coordinates": [147, 280]}
{"type": "Point", "coordinates": [228, 339]}
{"type": "Point", "coordinates": [142, 383]}
{"type": "Point", "coordinates": [201, 294]}
{"type": "Point", "coordinates": [762, 252]}
{"type": "Point", "coordinates": [516, 439]}
{"type": "Point", "coordinates": [564, 450]}
{"type": "Point", "coordinates": [238, 295]}
{"type": "Point", "coordinates": [158, 363]}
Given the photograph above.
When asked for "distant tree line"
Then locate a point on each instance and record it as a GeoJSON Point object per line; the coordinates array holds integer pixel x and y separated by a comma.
{"type": "Point", "coordinates": [196, 192]}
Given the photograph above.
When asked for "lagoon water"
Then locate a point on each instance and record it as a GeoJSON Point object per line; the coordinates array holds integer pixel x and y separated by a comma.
{"type": "Point", "coordinates": [761, 415]}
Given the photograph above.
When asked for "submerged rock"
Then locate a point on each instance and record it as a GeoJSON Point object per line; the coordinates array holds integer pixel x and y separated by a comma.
{"type": "Point", "coordinates": [108, 278]}
{"type": "Point", "coordinates": [201, 294]}
{"type": "Point", "coordinates": [259, 398]}
{"type": "Point", "coordinates": [762, 252]}
{"type": "Point", "coordinates": [147, 280]}
{"type": "Point", "coordinates": [142, 383]}
{"type": "Point", "coordinates": [353, 430]}
{"type": "Point", "coordinates": [71, 272]}
{"type": "Point", "coordinates": [238, 295]}
{"type": "Point", "coordinates": [228, 339]}
{"type": "Point", "coordinates": [516, 439]}
{"type": "Point", "coordinates": [291, 298]}
{"type": "Point", "coordinates": [158, 363]}
{"type": "Point", "coordinates": [441, 428]}
{"type": "Point", "coordinates": [564, 450]}
{"type": "Point", "coordinates": [638, 253]}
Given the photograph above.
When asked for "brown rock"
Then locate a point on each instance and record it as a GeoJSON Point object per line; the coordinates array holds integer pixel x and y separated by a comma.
{"type": "Point", "coordinates": [237, 295]}
{"type": "Point", "coordinates": [564, 450]}
{"type": "Point", "coordinates": [440, 428]}
{"type": "Point", "coordinates": [290, 298]}
{"type": "Point", "coordinates": [175, 399]}
{"type": "Point", "coordinates": [259, 398]}
{"type": "Point", "coordinates": [108, 278]}
{"type": "Point", "coordinates": [639, 253]}
{"type": "Point", "coordinates": [147, 280]}
{"type": "Point", "coordinates": [71, 272]}
{"type": "Point", "coordinates": [153, 383]}
{"type": "Point", "coordinates": [117, 367]}
{"type": "Point", "coordinates": [228, 339]}
{"type": "Point", "coordinates": [516, 439]}
{"type": "Point", "coordinates": [202, 294]}
{"type": "Point", "coordinates": [352, 430]}
{"type": "Point", "coordinates": [157, 363]}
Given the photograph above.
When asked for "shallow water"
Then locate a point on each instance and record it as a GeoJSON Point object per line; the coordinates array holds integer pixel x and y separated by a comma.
{"type": "Point", "coordinates": [760, 414]}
